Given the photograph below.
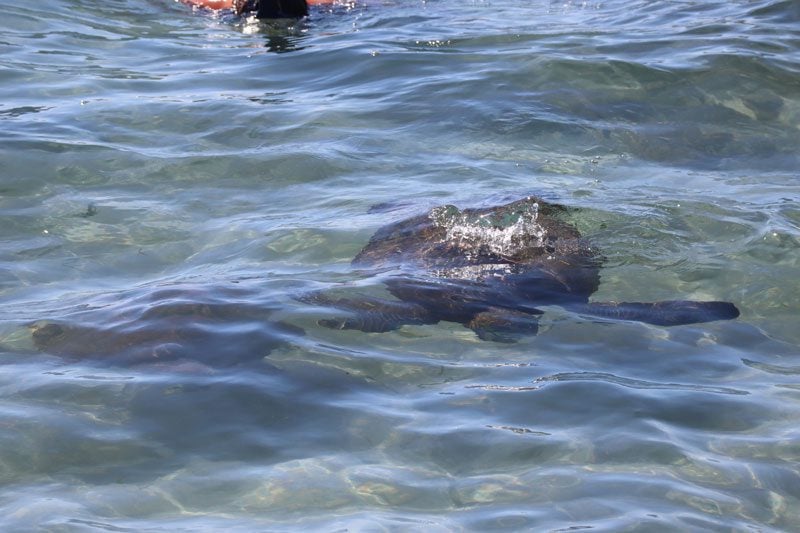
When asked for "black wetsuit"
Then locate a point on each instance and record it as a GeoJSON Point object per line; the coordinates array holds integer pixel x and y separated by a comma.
{"type": "Point", "coordinates": [273, 9]}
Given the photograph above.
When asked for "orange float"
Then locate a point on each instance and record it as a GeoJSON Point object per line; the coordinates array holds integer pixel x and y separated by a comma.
{"type": "Point", "coordinates": [229, 4]}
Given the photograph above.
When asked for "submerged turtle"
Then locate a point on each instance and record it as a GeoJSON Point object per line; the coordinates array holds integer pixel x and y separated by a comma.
{"type": "Point", "coordinates": [216, 326]}
{"type": "Point", "coordinates": [491, 269]}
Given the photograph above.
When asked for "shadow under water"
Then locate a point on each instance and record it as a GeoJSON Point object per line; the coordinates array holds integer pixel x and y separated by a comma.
{"type": "Point", "coordinates": [215, 326]}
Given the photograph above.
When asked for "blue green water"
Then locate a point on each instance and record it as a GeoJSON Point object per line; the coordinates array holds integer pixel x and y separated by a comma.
{"type": "Point", "coordinates": [171, 181]}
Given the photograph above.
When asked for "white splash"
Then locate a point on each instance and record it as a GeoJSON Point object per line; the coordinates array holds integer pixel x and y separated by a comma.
{"type": "Point", "coordinates": [490, 233]}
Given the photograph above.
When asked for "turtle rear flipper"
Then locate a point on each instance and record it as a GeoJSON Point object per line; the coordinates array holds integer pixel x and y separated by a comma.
{"type": "Point", "coordinates": [667, 313]}
{"type": "Point", "coordinates": [371, 315]}
{"type": "Point", "coordinates": [504, 325]}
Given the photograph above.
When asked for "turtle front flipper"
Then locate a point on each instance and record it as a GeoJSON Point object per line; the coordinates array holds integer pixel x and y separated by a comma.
{"type": "Point", "coordinates": [504, 325]}
{"type": "Point", "coordinates": [667, 313]}
{"type": "Point", "coordinates": [371, 315]}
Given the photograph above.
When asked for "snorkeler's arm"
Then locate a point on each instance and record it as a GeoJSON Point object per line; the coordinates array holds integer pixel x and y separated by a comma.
{"type": "Point", "coordinates": [239, 5]}
{"type": "Point", "coordinates": [211, 4]}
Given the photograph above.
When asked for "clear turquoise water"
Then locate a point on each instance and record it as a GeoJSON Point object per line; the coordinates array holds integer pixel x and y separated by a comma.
{"type": "Point", "coordinates": [171, 181]}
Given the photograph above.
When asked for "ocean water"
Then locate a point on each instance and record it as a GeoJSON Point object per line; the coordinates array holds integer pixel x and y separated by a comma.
{"type": "Point", "coordinates": [173, 181]}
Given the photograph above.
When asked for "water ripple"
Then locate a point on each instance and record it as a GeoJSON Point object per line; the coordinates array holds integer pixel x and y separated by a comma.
{"type": "Point", "coordinates": [169, 179]}
{"type": "Point", "coordinates": [636, 383]}
{"type": "Point", "coordinates": [784, 370]}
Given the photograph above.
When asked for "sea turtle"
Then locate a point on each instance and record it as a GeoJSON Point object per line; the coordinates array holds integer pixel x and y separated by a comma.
{"type": "Point", "coordinates": [491, 269]}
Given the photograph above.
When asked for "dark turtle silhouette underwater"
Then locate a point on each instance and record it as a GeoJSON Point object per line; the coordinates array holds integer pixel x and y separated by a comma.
{"type": "Point", "coordinates": [491, 269]}
{"type": "Point", "coordinates": [214, 325]}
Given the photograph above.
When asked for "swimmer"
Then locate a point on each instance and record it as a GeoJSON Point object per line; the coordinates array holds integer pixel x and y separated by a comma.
{"type": "Point", "coordinates": [264, 9]}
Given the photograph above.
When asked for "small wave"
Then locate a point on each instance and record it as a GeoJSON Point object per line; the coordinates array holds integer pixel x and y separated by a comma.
{"type": "Point", "coordinates": [772, 369]}
{"type": "Point", "coordinates": [520, 430]}
{"type": "Point", "coordinates": [636, 383]}
{"type": "Point", "coordinates": [502, 388]}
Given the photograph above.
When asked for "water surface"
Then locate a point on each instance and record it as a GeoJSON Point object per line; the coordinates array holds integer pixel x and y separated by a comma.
{"type": "Point", "coordinates": [171, 181]}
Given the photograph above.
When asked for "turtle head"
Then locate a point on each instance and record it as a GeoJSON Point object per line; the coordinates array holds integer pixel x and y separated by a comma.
{"type": "Point", "coordinates": [45, 333]}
